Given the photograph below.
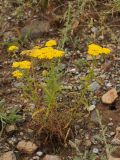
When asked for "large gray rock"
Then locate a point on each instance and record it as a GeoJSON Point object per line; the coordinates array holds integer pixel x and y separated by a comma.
{"type": "Point", "coordinates": [35, 29]}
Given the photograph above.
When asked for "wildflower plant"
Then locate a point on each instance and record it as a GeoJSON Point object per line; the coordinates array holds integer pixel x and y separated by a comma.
{"type": "Point", "coordinates": [94, 50]}
{"type": "Point", "coordinates": [48, 113]}
{"type": "Point", "coordinates": [46, 104]}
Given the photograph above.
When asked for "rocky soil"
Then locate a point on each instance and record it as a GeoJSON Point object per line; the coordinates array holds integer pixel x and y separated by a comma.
{"type": "Point", "coordinates": [18, 141]}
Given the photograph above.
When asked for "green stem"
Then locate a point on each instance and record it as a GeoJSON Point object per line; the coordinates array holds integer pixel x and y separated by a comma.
{"type": "Point", "coordinates": [103, 134]}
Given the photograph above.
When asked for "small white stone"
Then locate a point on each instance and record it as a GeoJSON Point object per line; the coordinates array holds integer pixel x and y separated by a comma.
{"type": "Point", "coordinates": [112, 133]}
{"type": "Point", "coordinates": [110, 119]}
{"type": "Point", "coordinates": [91, 108]}
{"type": "Point", "coordinates": [95, 150]}
{"type": "Point", "coordinates": [110, 124]}
{"type": "Point", "coordinates": [94, 29]}
{"type": "Point", "coordinates": [36, 158]}
{"type": "Point", "coordinates": [109, 85]}
{"type": "Point", "coordinates": [39, 153]}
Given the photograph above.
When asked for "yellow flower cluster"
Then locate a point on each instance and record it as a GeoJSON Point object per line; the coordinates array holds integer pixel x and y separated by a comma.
{"type": "Point", "coordinates": [17, 74]}
{"type": "Point", "coordinates": [44, 53]}
{"type": "Point", "coordinates": [51, 43]}
{"type": "Point", "coordinates": [13, 49]}
{"type": "Point", "coordinates": [22, 64]}
{"type": "Point", "coordinates": [96, 50]}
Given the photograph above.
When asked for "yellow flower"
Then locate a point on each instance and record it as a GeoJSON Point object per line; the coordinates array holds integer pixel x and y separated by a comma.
{"type": "Point", "coordinates": [106, 50]}
{"type": "Point", "coordinates": [94, 49]}
{"type": "Point", "coordinates": [51, 43]}
{"type": "Point", "coordinates": [25, 52]}
{"type": "Point", "coordinates": [17, 74]}
{"type": "Point", "coordinates": [15, 64]}
{"type": "Point", "coordinates": [22, 64]}
{"type": "Point", "coordinates": [35, 53]}
{"type": "Point", "coordinates": [13, 49]}
{"type": "Point", "coordinates": [46, 53]}
{"type": "Point", "coordinates": [36, 47]}
{"type": "Point", "coordinates": [25, 64]}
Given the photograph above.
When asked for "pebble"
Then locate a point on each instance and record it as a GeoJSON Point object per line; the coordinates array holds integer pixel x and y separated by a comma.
{"type": "Point", "coordinates": [110, 119]}
{"type": "Point", "coordinates": [12, 140]}
{"type": "Point", "coordinates": [91, 108]}
{"type": "Point", "coordinates": [51, 157]}
{"type": "Point", "coordinates": [88, 143]}
{"type": "Point", "coordinates": [39, 153]}
{"type": "Point", "coordinates": [8, 156]}
{"type": "Point", "coordinates": [108, 85]}
{"type": "Point", "coordinates": [21, 133]}
{"type": "Point", "coordinates": [95, 150]}
{"type": "Point", "coordinates": [36, 158]}
{"type": "Point", "coordinates": [116, 139]}
{"type": "Point", "coordinates": [10, 129]}
{"type": "Point", "coordinates": [112, 133]}
{"type": "Point", "coordinates": [101, 37]}
{"type": "Point", "coordinates": [18, 84]}
{"type": "Point", "coordinates": [110, 124]}
{"type": "Point", "coordinates": [94, 116]}
{"type": "Point", "coordinates": [110, 96]}
{"type": "Point", "coordinates": [27, 147]}
{"type": "Point", "coordinates": [94, 29]}
{"type": "Point", "coordinates": [67, 87]}
{"type": "Point", "coordinates": [94, 86]}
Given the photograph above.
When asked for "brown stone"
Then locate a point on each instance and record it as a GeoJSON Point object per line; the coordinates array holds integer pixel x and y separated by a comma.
{"type": "Point", "coordinates": [8, 156]}
{"type": "Point", "coordinates": [115, 155]}
{"type": "Point", "coordinates": [10, 128]}
{"type": "Point", "coordinates": [51, 157]}
{"type": "Point", "coordinates": [110, 96]}
{"type": "Point", "coordinates": [27, 147]}
{"type": "Point", "coordinates": [116, 139]}
{"type": "Point", "coordinates": [113, 158]}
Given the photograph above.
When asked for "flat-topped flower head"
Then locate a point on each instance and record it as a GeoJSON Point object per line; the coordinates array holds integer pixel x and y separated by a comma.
{"type": "Point", "coordinates": [36, 47]}
{"type": "Point", "coordinates": [25, 64]}
{"type": "Point", "coordinates": [96, 50]}
{"type": "Point", "coordinates": [17, 74]}
{"type": "Point", "coordinates": [22, 64]}
{"type": "Point", "coordinates": [25, 52]}
{"type": "Point", "coordinates": [13, 48]}
{"type": "Point", "coordinates": [51, 43]}
{"type": "Point", "coordinates": [46, 53]}
{"type": "Point", "coordinates": [15, 64]}
{"type": "Point", "coordinates": [106, 50]}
